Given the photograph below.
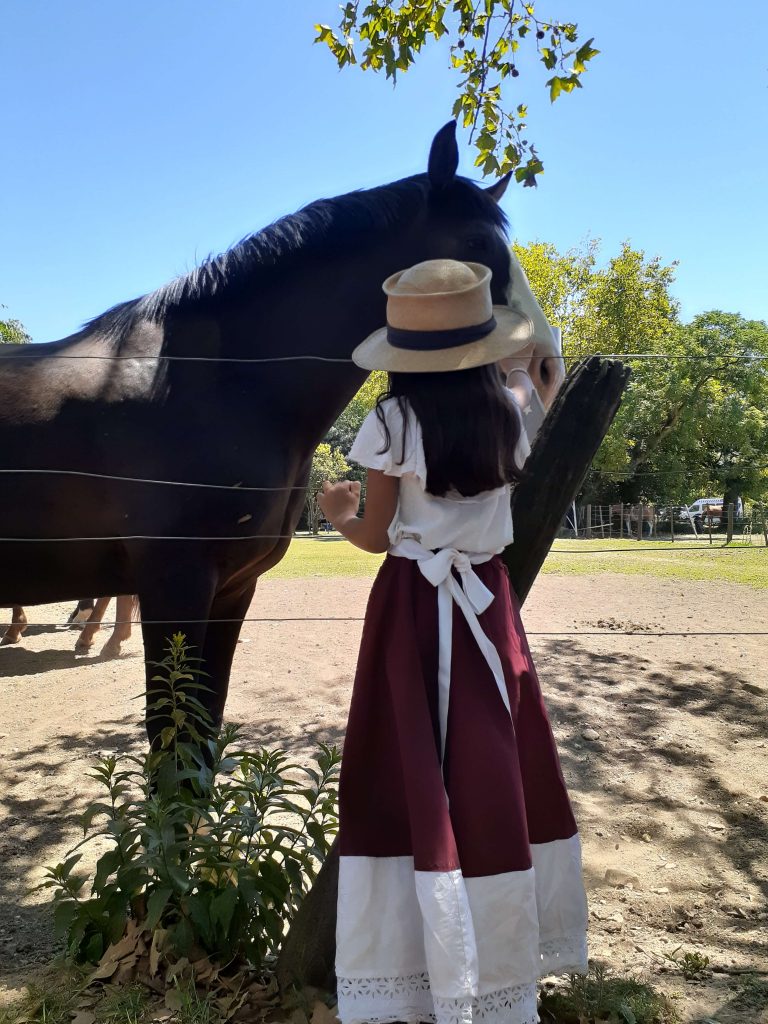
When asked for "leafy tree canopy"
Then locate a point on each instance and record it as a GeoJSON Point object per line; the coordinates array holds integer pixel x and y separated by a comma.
{"type": "Point", "coordinates": [327, 464]}
{"type": "Point", "coordinates": [692, 419]}
{"type": "Point", "coordinates": [489, 42]}
{"type": "Point", "coordinates": [12, 332]}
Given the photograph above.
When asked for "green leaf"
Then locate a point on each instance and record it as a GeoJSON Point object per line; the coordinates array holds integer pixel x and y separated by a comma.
{"type": "Point", "coordinates": [548, 58]}
{"type": "Point", "coordinates": [107, 864]}
{"type": "Point", "coordinates": [182, 936]}
{"type": "Point", "coordinates": [63, 915]}
{"type": "Point", "coordinates": [156, 904]}
{"type": "Point", "coordinates": [555, 87]}
{"type": "Point", "coordinates": [167, 736]}
{"type": "Point", "coordinates": [223, 907]}
{"type": "Point", "coordinates": [584, 54]}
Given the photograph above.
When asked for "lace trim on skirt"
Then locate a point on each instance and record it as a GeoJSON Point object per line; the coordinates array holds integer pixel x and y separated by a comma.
{"type": "Point", "coordinates": [409, 999]}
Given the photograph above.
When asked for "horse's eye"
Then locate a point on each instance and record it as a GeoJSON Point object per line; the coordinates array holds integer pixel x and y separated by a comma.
{"type": "Point", "coordinates": [477, 244]}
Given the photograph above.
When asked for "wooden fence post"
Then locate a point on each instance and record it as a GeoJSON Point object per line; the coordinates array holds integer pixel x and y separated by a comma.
{"type": "Point", "coordinates": [729, 534]}
{"type": "Point", "coordinates": [621, 519]}
{"type": "Point", "coordinates": [672, 522]}
{"type": "Point", "coordinates": [551, 478]}
{"type": "Point", "coordinates": [588, 531]}
{"type": "Point", "coordinates": [640, 509]}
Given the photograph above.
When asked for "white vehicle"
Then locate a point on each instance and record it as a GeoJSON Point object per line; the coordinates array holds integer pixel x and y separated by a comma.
{"type": "Point", "coordinates": [695, 512]}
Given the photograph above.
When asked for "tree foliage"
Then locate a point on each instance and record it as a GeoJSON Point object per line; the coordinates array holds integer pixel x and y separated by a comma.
{"type": "Point", "coordinates": [489, 40]}
{"type": "Point", "coordinates": [692, 419]}
{"type": "Point", "coordinates": [346, 428]}
{"type": "Point", "coordinates": [327, 464]}
{"type": "Point", "coordinates": [12, 332]}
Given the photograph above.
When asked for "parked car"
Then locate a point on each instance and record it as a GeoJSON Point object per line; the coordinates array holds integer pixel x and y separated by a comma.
{"type": "Point", "coordinates": [704, 511]}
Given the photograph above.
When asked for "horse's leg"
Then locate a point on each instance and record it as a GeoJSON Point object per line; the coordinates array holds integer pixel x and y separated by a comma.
{"type": "Point", "coordinates": [92, 626]}
{"type": "Point", "coordinates": [81, 613]}
{"type": "Point", "coordinates": [173, 603]}
{"type": "Point", "coordinates": [17, 626]}
{"type": "Point", "coordinates": [227, 614]}
{"type": "Point", "coordinates": [124, 606]}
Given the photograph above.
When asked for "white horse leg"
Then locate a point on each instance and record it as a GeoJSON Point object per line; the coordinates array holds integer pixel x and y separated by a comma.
{"type": "Point", "coordinates": [17, 626]}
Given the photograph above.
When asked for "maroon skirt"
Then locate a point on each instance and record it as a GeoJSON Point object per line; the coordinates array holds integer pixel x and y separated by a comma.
{"type": "Point", "coordinates": [460, 882]}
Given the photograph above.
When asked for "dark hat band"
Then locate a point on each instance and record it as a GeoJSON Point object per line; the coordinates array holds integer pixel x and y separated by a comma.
{"type": "Point", "coordinates": [427, 341]}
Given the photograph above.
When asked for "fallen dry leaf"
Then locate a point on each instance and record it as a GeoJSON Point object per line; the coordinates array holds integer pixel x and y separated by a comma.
{"type": "Point", "coordinates": [173, 999]}
{"type": "Point", "coordinates": [322, 1015]}
{"type": "Point", "coordinates": [156, 950]}
{"type": "Point", "coordinates": [84, 1017]}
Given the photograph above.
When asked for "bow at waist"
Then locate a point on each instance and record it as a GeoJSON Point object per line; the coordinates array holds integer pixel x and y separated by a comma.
{"type": "Point", "coordinates": [472, 597]}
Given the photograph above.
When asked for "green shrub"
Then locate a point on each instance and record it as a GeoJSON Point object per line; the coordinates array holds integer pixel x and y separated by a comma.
{"type": "Point", "coordinates": [211, 848]}
{"type": "Point", "coordinates": [600, 998]}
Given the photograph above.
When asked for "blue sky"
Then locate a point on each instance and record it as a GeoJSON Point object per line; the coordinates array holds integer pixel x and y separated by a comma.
{"type": "Point", "coordinates": [137, 138]}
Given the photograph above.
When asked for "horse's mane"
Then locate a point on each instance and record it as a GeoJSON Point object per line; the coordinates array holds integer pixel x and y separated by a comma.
{"type": "Point", "coordinates": [326, 222]}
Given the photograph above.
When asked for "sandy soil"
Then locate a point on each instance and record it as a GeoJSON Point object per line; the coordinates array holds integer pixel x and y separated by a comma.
{"type": "Point", "coordinates": [673, 790]}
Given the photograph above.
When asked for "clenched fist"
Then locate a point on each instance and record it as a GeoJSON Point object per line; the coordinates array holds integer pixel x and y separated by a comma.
{"type": "Point", "coordinates": [339, 502]}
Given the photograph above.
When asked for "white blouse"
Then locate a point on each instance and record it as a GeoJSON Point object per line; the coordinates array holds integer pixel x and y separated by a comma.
{"type": "Point", "coordinates": [477, 525]}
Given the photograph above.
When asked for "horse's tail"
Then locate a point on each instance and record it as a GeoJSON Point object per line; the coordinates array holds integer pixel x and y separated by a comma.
{"type": "Point", "coordinates": [135, 609]}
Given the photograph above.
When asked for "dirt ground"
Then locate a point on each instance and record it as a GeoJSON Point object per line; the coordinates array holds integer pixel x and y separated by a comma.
{"type": "Point", "coordinates": [664, 743]}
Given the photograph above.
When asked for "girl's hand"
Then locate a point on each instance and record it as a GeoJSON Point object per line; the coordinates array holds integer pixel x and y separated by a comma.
{"type": "Point", "coordinates": [339, 502]}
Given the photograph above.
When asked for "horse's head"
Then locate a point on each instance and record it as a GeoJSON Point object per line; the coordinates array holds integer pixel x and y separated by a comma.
{"type": "Point", "coordinates": [465, 222]}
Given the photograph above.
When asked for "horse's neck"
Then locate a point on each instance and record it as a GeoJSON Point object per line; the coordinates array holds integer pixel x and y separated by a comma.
{"type": "Point", "coordinates": [309, 324]}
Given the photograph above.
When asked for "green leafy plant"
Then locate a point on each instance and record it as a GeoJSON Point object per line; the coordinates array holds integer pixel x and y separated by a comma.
{"type": "Point", "coordinates": [490, 42]}
{"type": "Point", "coordinates": [692, 966]}
{"type": "Point", "coordinates": [598, 998]}
{"type": "Point", "coordinates": [210, 847]}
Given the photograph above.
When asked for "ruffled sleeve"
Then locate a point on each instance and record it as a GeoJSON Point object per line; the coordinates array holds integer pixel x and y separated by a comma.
{"type": "Point", "coordinates": [367, 449]}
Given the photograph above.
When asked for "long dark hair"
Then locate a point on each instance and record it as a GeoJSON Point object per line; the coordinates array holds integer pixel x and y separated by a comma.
{"type": "Point", "coordinates": [469, 426]}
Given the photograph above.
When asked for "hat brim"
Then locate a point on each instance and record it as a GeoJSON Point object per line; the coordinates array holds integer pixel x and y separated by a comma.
{"type": "Point", "coordinates": [512, 333]}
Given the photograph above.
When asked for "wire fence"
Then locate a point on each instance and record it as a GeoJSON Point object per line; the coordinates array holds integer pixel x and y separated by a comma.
{"type": "Point", "coordinates": [734, 529]}
{"type": "Point", "coordinates": [707, 520]}
{"type": "Point", "coordinates": [23, 352]}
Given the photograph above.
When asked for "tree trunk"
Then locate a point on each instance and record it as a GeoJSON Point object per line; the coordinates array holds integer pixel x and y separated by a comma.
{"type": "Point", "coordinates": [730, 497]}
{"type": "Point", "coordinates": [554, 472]}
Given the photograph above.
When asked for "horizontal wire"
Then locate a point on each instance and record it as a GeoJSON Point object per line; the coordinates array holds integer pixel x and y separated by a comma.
{"type": "Point", "coordinates": [28, 353]}
{"type": "Point", "coordinates": [182, 359]}
{"type": "Point", "coordinates": [64, 627]}
{"type": "Point", "coordinates": [140, 536]}
{"type": "Point", "coordinates": [296, 487]}
{"type": "Point", "coordinates": [702, 546]}
{"type": "Point", "coordinates": [147, 480]}
{"type": "Point", "coordinates": [663, 472]}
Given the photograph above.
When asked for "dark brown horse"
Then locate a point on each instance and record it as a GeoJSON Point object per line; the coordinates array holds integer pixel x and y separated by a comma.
{"type": "Point", "coordinates": [206, 382]}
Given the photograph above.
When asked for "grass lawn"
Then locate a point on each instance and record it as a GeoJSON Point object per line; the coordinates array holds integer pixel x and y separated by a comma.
{"type": "Point", "coordinates": [330, 555]}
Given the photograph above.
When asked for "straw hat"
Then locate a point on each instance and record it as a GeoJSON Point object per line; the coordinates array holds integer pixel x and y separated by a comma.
{"type": "Point", "coordinates": [440, 316]}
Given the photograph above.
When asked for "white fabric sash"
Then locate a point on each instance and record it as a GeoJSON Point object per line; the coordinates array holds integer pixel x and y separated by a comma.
{"type": "Point", "coordinates": [472, 596]}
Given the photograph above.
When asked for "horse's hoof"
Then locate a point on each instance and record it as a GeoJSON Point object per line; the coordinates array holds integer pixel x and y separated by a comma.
{"type": "Point", "coordinates": [111, 649]}
{"type": "Point", "coordinates": [84, 644]}
{"type": "Point", "coordinates": [10, 639]}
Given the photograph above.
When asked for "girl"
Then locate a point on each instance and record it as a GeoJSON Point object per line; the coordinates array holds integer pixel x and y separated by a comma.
{"type": "Point", "coordinates": [460, 872]}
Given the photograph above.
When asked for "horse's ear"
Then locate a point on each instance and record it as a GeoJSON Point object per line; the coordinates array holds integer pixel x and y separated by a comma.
{"type": "Point", "coordinates": [443, 157]}
{"type": "Point", "coordinates": [498, 188]}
